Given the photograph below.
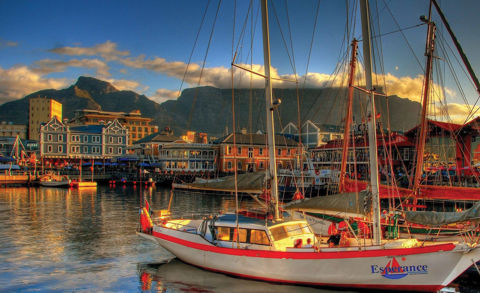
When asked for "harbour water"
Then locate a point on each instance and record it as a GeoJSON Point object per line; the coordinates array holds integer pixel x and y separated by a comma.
{"type": "Point", "coordinates": [84, 240]}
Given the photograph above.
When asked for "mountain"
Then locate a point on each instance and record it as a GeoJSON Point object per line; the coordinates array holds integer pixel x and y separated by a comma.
{"type": "Point", "coordinates": [86, 93]}
{"type": "Point", "coordinates": [209, 109]}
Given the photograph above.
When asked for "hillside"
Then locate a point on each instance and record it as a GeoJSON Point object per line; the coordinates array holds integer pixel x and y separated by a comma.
{"type": "Point", "coordinates": [209, 109]}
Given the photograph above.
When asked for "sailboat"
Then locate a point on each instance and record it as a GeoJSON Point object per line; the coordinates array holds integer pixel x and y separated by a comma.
{"type": "Point", "coordinates": [278, 249]}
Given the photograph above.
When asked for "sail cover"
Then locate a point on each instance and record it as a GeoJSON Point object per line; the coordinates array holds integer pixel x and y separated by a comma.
{"type": "Point", "coordinates": [351, 203]}
{"type": "Point", "coordinates": [246, 183]}
{"type": "Point", "coordinates": [443, 218]}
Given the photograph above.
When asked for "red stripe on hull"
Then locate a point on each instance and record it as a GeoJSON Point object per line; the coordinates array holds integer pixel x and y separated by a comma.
{"type": "Point", "coordinates": [307, 255]}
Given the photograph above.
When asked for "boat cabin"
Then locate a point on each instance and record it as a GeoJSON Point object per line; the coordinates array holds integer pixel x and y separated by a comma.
{"type": "Point", "coordinates": [254, 233]}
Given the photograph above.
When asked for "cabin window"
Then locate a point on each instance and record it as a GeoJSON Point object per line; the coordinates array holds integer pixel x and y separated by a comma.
{"type": "Point", "coordinates": [259, 237]}
{"type": "Point", "coordinates": [242, 236]}
{"type": "Point", "coordinates": [223, 233]}
{"type": "Point", "coordinates": [279, 233]}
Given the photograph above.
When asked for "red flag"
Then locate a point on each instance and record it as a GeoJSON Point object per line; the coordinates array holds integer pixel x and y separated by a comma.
{"type": "Point", "coordinates": [147, 206]}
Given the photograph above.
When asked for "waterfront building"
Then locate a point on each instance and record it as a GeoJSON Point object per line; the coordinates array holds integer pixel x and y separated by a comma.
{"type": "Point", "coordinates": [313, 134]}
{"type": "Point", "coordinates": [41, 110]}
{"type": "Point", "coordinates": [102, 141]}
{"type": "Point", "coordinates": [251, 153]}
{"type": "Point", "coordinates": [13, 130]}
{"type": "Point", "coordinates": [329, 155]}
{"type": "Point", "coordinates": [11, 145]}
{"type": "Point", "coordinates": [188, 157]}
{"type": "Point", "coordinates": [138, 127]}
{"type": "Point", "coordinates": [150, 146]}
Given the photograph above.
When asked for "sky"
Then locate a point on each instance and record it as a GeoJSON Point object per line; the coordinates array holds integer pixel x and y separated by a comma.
{"type": "Point", "coordinates": [159, 48]}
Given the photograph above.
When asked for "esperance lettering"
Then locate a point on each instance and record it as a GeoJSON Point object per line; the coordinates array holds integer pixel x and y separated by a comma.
{"type": "Point", "coordinates": [418, 269]}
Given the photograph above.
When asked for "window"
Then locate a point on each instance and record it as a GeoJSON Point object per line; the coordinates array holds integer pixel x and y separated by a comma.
{"type": "Point", "coordinates": [111, 139]}
{"type": "Point", "coordinates": [223, 233]}
{"type": "Point", "coordinates": [250, 152]}
{"type": "Point", "coordinates": [49, 137]}
{"type": "Point", "coordinates": [239, 166]}
{"type": "Point", "coordinates": [49, 149]}
{"type": "Point", "coordinates": [259, 237]}
{"type": "Point", "coordinates": [260, 151]}
{"type": "Point", "coordinates": [229, 165]}
{"type": "Point", "coordinates": [261, 165]}
{"type": "Point", "coordinates": [134, 128]}
{"type": "Point", "coordinates": [85, 149]}
{"type": "Point", "coordinates": [110, 150]}
{"type": "Point", "coordinates": [120, 139]}
{"type": "Point", "coordinates": [85, 138]}
{"type": "Point", "coordinates": [60, 137]}
{"type": "Point", "coordinates": [279, 152]}
{"type": "Point", "coordinates": [239, 150]}
{"type": "Point", "coordinates": [75, 138]}
{"type": "Point", "coordinates": [229, 150]}
{"type": "Point", "coordinates": [119, 150]}
{"type": "Point", "coordinates": [74, 149]}
{"type": "Point", "coordinates": [279, 233]}
{"type": "Point", "coordinates": [96, 138]}
{"type": "Point", "coordinates": [60, 148]}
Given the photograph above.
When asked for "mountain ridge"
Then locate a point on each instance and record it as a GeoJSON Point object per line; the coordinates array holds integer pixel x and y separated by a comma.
{"type": "Point", "coordinates": [209, 109]}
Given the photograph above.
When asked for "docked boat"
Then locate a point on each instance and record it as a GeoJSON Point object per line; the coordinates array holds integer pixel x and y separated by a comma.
{"type": "Point", "coordinates": [277, 248]}
{"type": "Point", "coordinates": [80, 184]}
{"type": "Point", "coordinates": [52, 180]}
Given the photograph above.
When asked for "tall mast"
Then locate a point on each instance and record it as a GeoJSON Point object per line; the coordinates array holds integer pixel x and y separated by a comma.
{"type": "Point", "coordinates": [372, 132]}
{"type": "Point", "coordinates": [429, 49]}
{"type": "Point", "coordinates": [269, 108]}
{"type": "Point", "coordinates": [348, 117]}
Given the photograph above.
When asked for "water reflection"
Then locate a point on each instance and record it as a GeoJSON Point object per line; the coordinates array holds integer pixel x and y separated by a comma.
{"type": "Point", "coordinates": [177, 276]}
{"type": "Point", "coordinates": [84, 240]}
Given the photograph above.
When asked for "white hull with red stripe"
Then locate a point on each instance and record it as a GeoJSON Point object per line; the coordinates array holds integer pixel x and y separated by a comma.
{"type": "Point", "coordinates": [426, 268]}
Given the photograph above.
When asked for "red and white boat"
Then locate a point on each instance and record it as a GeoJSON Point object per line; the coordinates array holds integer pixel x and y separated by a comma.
{"type": "Point", "coordinates": [278, 249]}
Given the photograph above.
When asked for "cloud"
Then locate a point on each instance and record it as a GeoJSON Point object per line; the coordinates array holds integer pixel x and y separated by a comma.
{"type": "Point", "coordinates": [47, 66]}
{"type": "Point", "coordinates": [454, 112]}
{"type": "Point", "coordinates": [5, 43]}
{"type": "Point", "coordinates": [163, 95]}
{"type": "Point", "coordinates": [16, 82]}
{"type": "Point", "coordinates": [123, 84]}
{"type": "Point", "coordinates": [107, 50]}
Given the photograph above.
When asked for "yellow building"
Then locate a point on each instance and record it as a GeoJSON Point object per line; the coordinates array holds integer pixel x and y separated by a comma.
{"type": "Point", "coordinates": [41, 110]}
{"type": "Point", "coordinates": [138, 127]}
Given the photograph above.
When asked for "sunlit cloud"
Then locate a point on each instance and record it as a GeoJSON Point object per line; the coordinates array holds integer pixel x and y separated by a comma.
{"type": "Point", "coordinates": [16, 82]}
{"type": "Point", "coordinates": [454, 112]}
{"type": "Point", "coordinates": [163, 95]}
{"type": "Point", "coordinates": [47, 66]}
{"type": "Point", "coordinates": [127, 85]}
{"type": "Point", "coordinates": [107, 50]}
